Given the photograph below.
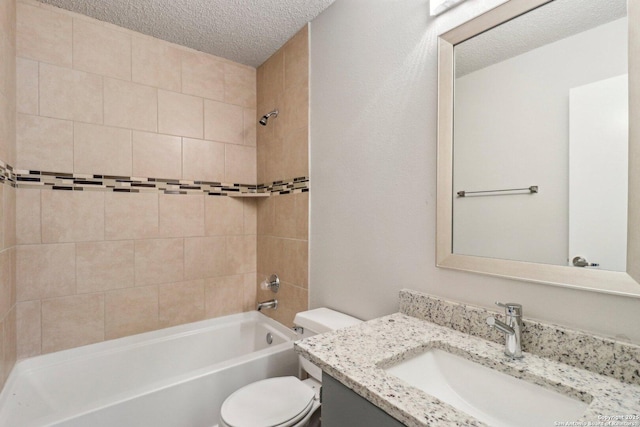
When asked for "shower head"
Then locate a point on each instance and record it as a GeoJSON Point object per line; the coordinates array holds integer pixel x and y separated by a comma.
{"type": "Point", "coordinates": [263, 120]}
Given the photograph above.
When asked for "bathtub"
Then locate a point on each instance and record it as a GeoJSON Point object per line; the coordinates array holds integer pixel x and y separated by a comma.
{"type": "Point", "coordinates": [175, 377]}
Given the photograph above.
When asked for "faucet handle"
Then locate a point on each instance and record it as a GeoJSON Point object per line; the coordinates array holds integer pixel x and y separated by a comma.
{"type": "Point", "coordinates": [511, 308]}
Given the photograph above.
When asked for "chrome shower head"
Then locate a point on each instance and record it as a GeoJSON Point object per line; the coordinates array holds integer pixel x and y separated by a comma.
{"type": "Point", "coordinates": [263, 120]}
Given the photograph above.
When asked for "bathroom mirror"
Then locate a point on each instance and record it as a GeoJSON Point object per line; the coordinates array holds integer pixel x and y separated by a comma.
{"type": "Point", "coordinates": [538, 163]}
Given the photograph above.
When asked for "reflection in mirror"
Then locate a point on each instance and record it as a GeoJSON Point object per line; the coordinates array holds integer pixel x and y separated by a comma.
{"type": "Point", "coordinates": [542, 100]}
{"type": "Point", "coordinates": [520, 100]}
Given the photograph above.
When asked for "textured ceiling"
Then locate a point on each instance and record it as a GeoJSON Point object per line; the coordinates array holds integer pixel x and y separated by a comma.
{"type": "Point", "coordinates": [551, 22]}
{"type": "Point", "coordinates": [244, 31]}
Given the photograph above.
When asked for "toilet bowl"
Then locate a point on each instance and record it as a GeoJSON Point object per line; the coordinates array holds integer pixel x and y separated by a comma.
{"type": "Point", "coordinates": [285, 401]}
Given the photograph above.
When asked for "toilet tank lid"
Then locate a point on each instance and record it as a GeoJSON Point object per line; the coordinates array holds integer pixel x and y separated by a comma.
{"type": "Point", "coordinates": [324, 320]}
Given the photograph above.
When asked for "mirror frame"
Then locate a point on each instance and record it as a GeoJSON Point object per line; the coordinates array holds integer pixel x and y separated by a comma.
{"type": "Point", "coordinates": [611, 282]}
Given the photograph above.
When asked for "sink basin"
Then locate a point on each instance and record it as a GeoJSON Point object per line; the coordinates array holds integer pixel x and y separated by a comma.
{"type": "Point", "coordinates": [490, 396]}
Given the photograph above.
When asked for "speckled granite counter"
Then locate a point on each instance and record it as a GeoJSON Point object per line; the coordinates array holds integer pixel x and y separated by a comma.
{"type": "Point", "coordinates": [357, 355]}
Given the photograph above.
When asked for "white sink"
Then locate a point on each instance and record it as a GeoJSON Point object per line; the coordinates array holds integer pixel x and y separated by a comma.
{"type": "Point", "coordinates": [490, 396]}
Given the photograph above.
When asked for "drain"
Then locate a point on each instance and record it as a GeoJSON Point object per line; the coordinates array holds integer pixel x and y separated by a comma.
{"type": "Point", "coordinates": [269, 338]}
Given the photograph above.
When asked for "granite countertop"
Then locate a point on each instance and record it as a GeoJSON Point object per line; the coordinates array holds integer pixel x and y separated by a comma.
{"type": "Point", "coordinates": [356, 356]}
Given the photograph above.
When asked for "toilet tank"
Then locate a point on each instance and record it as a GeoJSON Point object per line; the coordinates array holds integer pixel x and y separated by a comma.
{"type": "Point", "coordinates": [321, 320]}
{"type": "Point", "coordinates": [317, 321]}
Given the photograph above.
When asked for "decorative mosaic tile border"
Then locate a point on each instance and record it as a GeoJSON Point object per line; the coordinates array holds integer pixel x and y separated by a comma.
{"type": "Point", "coordinates": [616, 359]}
{"type": "Point", "coordinates": [85, 182]}
{"type": "Point", "coordinates": [7, 176]}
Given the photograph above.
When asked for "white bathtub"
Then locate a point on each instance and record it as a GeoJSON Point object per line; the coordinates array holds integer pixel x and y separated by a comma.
{"type": "Point", "coordinates": [175, 377]}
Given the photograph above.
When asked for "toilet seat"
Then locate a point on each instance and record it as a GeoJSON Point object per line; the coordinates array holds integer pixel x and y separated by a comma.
{"type": "Point", "coordinates": [274, 402]}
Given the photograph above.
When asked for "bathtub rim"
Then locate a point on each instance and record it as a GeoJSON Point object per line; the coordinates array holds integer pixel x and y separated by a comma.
{"type": "Point", "coordinates": [144, 338]}
{"type": "Point", "coordinates": [34, 364]}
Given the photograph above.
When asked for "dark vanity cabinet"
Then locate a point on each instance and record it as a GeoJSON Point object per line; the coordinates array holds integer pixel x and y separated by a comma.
{"type": "Point", "coordinates": [342, 407]}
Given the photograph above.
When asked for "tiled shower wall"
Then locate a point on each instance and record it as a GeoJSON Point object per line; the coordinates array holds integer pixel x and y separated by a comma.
{"type": "Point", "coordinates": [95, 99]}
{"type": "Point", "coordinates": [283, 228]}
{"type": "Point", "coordinates": [7, 192]}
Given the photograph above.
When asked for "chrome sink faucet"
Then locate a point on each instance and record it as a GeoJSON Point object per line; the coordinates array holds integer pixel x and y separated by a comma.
{"type": "Point", "coordinates": [512, 328]}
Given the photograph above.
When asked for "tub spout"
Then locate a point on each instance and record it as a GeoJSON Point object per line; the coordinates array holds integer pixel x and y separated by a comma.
{"type": "Point", "coordinates": [272, 303]}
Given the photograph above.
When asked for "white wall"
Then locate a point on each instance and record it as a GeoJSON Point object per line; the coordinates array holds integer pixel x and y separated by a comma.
{"type": "Point", "coordinates": [373, 168]}
{"type": "Point", "coordinates": [511, 130]}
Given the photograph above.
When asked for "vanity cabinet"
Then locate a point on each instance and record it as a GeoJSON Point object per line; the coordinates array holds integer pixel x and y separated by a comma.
{"type": "Point", "coordinates": [343, 407]}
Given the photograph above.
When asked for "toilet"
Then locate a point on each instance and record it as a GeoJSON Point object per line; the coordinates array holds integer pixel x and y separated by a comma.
{"type": "Point", "coordinates": [285, 401]}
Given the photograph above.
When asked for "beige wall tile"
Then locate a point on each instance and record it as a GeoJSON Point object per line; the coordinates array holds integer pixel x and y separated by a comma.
{"type": "Point", "coordinates": [44, 144]}
{"type": "Point", "coordinates": [102, 150]}
{"type": "Point", "coordinates": [271, 82]}
{"type": "Point", "coordinates": [180, 303]}
{"type": "Point", "coordinates": [7, 129]}
{"type": "Point", "coordinates": [240, 164]}
{"type": "Point", "coordinates": [223, 122]}
{"type": "Point", "coordinates": [270, 260]}
{"type": "Point", "coordinates": [223, 216]}
{"type": "Point", "coordinates": [284, 258]}
{"type": "Point", "coordinates": [272, 157]}
{"type": "Point", "coordinates": [156, 63]}
{"type": "Point", "coordinates": [296, 59]}
{"type": "Point", "coordinates": [101, 50]}
{"type": "Point", "coordinates": [159, 261]}
{"type": "Point", "coordinates": [295, 154]}
{"type": "Point", "coordinates": [285, 214]}
{"type": "Point", "coordinates": [10, 341]}
{"type": "Point", "coordinates": [130, 105]}
{"type": "Point", "coordinates": [250, 127]}
{"type": "Point", "coordinates": [293, 261]}
{"type": "Point", "coordinates": [3, 368]}
{"type": "Point", "coordinates": [10, 273]}
{"type": "Point", "coordinates": [69, 94]}
{"type": "Point", "coordinates": [202, 75]}
{"type": "Point", "coordinates": [260, 85]}
{"type": "Point", "coordinates": [204, 257]}
{"type": "Point", "coordinates": [295, 109]}
{"type": "Point", "coordinates": [157, 156]}
{"type": "Point", "coordinates": [28, 216]}
{"type": "Point", "coordinates": [241, 254]}
{"type": "Point", "coordinates": [8, 25]}
{"type": "Point", "coordinates": [44, 35]}
{"type": "Point", "coordinates": [9, 216]}
{"type": "Point", "coordinates": [250, 216]}
{"type": "Point", "coordinates": [8, 123]}
{"type": "Point", "coordinates": [131, 311]}
{"type": "Point", "coordinates": [294, 300]}
{"type": "Point", "coordinates": [8, 65]}
{"type": "Point", "coordinates": [250, 291]}
{"type": "Point", "coordinates": [102, 266]}
{"type": "Point", "coordinates": [180, 114]}
{"type": "Point", "coordinates": [54, 276]}
{"type": "Point", "coordinates": [29, 329]}
{"type": "Point", "coordinates": [27, 86]}
{"type": "Point", "coordinates": [240, 85]}
{"type": "Point", "coordinates": [301, 264]}
{"type": "Point", "coordinates": [72, 216]}
{"type": "Point", "coordinates": [202, 160]}
{"type": "Point", "coordinates": [72, 321]}
{"type": "Point", "coordinates": [7, 283]}
{"type": "Point", "coordinates": [5, 214]}
{"type": "Point", "coordinates": [181, 215]}
{"type": "Point", "coordinates": [302, 216]}
{"type": "Point", "coordinates": [266, 215]}
{"type": "Point", "coordinates": [8, 11]}
{"type": "Point", "coordinates": [224, 295]}
{"type": "Point", "coordinates": [131, 215]}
